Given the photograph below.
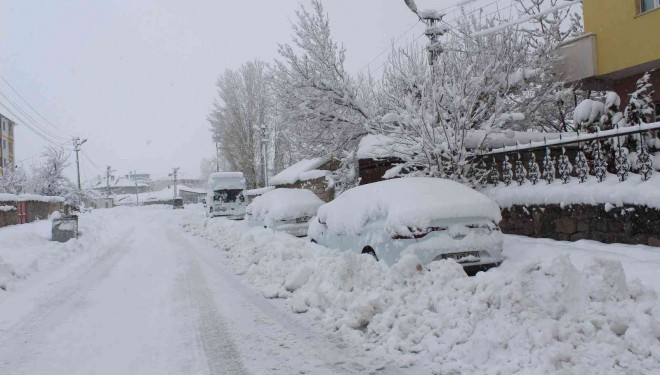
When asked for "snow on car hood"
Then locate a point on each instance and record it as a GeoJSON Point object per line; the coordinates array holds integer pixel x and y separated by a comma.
{"type": "Point", "coordinates": [284, 204]}
{"type": "Point", "coordinates": [405, 202]}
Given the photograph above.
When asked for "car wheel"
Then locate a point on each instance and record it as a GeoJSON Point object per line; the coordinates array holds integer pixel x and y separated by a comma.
{"type": "Point", "coordinates": [370, 251]}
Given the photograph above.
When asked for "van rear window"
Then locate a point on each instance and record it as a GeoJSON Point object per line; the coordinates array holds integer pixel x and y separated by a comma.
{"type": "Point", "coordinates": [228, 196]}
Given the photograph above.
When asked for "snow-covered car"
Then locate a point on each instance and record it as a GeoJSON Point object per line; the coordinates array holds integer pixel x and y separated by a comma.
{"type": "Point", "coordinates": [430, 217]}
{"type": "Point", "coordinates": [286, 210]}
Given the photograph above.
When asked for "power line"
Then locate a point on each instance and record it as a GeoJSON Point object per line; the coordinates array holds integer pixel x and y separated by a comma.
{"type": "Point", "coordinates": [34, 122]}
{"type": "Point", "coordinates": [46, 138]}
{"type": "Point", "coordinates": [26, 102]}
{"type": "Point", "coordinates": [84, 154]}
{"type": "Point", "coordinates": [453, 28]}
{"type": "Point", "coordinates": [389, 48]}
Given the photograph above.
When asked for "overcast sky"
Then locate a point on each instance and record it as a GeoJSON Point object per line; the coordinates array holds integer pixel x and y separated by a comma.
{"type": "Point", "coordinates": [137, 77]}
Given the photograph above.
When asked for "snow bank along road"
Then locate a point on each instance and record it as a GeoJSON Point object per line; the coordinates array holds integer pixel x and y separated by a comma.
{"type": "Point", "coordinates": [156, 291]}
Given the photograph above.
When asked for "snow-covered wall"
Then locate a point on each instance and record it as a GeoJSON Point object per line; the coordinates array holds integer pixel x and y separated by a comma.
{"type": "Point", "coordinates": [628, 224]}
{"type": "Point", "coordinates": [37, 207]}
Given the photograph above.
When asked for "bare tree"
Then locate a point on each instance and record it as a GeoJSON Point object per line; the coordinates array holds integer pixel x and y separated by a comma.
{"type": "Point", "coordinates": [13, 181]}
{"type": "Point", "coordinates": [328, 110]}
{"type": "Point", "coordinates": [243, 107]}
{"type": "Point", "coordinates": [47, 177]}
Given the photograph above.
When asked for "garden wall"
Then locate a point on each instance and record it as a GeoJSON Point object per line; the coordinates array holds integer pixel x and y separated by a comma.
{"type": "Point", "coordinates": [36, 207]}
{"type": "Point", "coordinates": [628, 224]}
{"type": "Point", "coordinates": [8, 216]}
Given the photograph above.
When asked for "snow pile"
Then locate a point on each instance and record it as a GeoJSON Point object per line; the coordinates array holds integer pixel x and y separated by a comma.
{"type": "Point", "coordinates": [613, 191]}
{"type": "Point", "coordinates": [7, 208]}
{"type": "Point", "coordinates": [588, 111]}
{"type": "Point", "coordinates": [303, 170]}
{"type": "Point", "coordinates": [544, 316]}
{"type": "Point", "coordinates": [284, 204]}
{"type": "Point", "coordinates": [4, 197]}
{"type": "Point", "coordinates": [259, 191]}
{"type": "Point", "coordinates": [405, 202]}
{"type": "Point", "coordinates": [379, 146]}
{"type": "Point", "coordinates": [27, 249]}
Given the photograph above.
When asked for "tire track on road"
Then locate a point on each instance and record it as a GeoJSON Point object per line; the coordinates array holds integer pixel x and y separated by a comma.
{"type": "Point", "coordinates": [222, 355]}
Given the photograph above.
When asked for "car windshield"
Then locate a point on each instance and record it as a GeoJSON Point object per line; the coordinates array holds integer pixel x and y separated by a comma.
{"type": "Point", "coordinates": [228, 196]}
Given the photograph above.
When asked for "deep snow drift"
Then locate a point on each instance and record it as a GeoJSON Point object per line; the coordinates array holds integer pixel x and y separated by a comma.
{"type": "Point", "coordinates": [540, 316]}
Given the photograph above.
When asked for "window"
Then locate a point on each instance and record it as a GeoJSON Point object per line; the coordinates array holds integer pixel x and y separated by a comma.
{"type": "Point", "coordinates": [649, 5]}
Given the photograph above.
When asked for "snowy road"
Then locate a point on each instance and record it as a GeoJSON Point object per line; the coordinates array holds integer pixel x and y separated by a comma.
{"type": "Point", "coordinates": [147, 298]}
{"type": "Point", "coordinates": [150, 290]}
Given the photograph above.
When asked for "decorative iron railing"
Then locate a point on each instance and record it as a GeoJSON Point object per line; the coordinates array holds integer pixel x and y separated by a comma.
{"type": "Point", "coordinates": [577, 155]}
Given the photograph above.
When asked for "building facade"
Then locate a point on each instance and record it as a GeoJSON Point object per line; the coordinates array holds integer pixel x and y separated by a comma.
{"type": "Point", "coordinates": [620, 44]}
{"type": "Point", "coordinates": [6, 144]}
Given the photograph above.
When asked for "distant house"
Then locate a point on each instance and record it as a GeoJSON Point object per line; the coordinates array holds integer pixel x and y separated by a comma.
{"type": "Point", "coordinates": [191, 195]}
{"type": "Point", "coordinates": [163, 183]}
{"type": "Point", "coordinates": [309, 174]}
{"type": "Point", "coordinates": [121, 186]}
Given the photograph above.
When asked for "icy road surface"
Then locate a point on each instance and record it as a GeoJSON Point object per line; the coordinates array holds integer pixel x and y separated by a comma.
{"type": "Point", "coordinates": [151, 290]}
{"type": "Point", "coordinates": [137, 295]}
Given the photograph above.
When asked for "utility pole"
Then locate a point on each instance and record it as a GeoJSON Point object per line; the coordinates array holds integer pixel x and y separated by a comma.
{"type": "Point", "coordinates": [77, 143]}
{"type": "Point", "coordinates": [434, 30]}
{"type": "Point", "coordinates": [174, 175]}
{"type": "Point", "coordinates": [137, 197]}
{"type": "Point", "coordinates": [217, 156]}
{"type": "Point", "coordinates": [108, 174]}
{"type": "Point", "coordinates": [264, 152]}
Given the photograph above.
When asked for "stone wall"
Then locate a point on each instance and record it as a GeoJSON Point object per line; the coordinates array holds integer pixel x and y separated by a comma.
{"type": "Point", "coordinates": [318, 186]}
{"type": "Point", "coordinates": [8, 217]}
{"type": "Point", "coordinates": [35, 211]}
{"type": "Point", "coordinates": [630, 224]}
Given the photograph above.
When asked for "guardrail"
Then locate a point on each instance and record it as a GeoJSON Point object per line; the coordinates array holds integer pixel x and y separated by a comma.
{"type": "Point", "coordinates": [576, 155]}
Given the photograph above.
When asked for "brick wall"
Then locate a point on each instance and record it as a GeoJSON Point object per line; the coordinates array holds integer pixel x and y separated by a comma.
{"type": "Point", "coordinates": [630, 224]}
{"type": "Point", "coordinates": [626, 86]}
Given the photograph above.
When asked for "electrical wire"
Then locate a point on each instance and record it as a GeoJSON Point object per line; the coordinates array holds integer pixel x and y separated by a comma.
{"type": "Point", "coordinates": [26, 102]}
{"type": "Point", "coordinates": [41, 135]}
{"type": "Point", "coordinates": [34, 122]}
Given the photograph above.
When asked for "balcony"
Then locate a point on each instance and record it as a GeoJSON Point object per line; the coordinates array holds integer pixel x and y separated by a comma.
{"type": "Point", "coordinates": [579, 58]}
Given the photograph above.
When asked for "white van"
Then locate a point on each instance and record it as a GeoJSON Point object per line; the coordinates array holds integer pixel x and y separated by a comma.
{"type": "Point", "coordinates": [226, 195]}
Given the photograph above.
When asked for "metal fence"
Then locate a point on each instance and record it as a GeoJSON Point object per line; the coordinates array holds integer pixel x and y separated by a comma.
{"type": "Point", "coordinates": [580, 156]}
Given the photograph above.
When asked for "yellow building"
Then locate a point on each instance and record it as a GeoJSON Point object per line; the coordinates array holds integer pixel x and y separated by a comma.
{"type": "Point", "coordinates": [621, 42]}
{"type": "Point", "coordinates": [6, 144]}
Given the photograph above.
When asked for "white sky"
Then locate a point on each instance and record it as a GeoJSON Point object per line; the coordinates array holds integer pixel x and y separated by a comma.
{"type": "Point", "coordinates": [137, 78]}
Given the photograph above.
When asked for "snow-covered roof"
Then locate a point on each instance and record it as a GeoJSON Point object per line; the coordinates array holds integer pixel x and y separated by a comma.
{"type": "Point", "coordinates": [405, 202]}
{"type": "Point", "coordinates": [119, 183]}
{"type": "Point", "coordinates": [256, 192]}
{"type": "Point", "coordinates": [216, 175]}
{"type": "Point", "coordinates": [378, 146]}
{"type": "Point", "coordinates": [284, 204]}
{"type": "Point", "coordinates": [191, 190]}
{"type": "Point", "coordinates": [29, 198]}
{"type": "Point", "coordinates": [303, 170]}
{"type": "Point", "coordinates": [227, 180]}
